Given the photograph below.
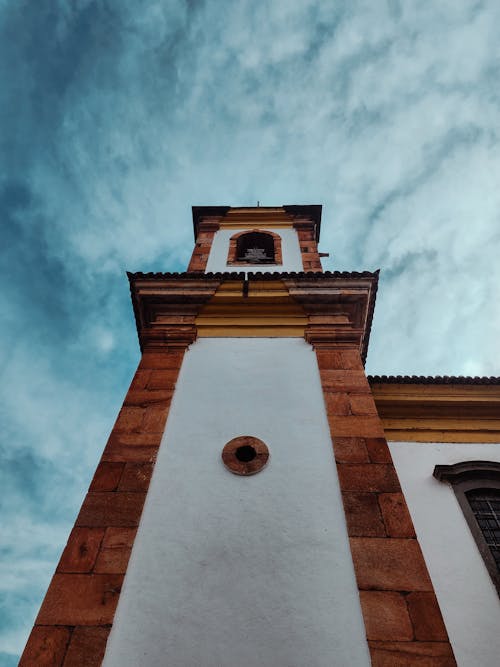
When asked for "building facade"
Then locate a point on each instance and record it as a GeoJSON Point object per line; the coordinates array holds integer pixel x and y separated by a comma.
{"type": "Point", "coordinates": [220, 530]}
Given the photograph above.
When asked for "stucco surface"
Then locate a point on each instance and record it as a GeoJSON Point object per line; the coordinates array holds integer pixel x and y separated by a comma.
{"type": "Point", "coordinates": [292, 258]}
{"type": "Point", "coordinates": [251, 571]}
{"type": "Point", "coordinates": [467, 597]}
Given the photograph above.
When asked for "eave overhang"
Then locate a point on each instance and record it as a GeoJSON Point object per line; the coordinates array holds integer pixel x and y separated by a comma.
{"type": "Point", "coordinates": [310, 212]}
{"type": "Point", "coordinates": [438, 409]}
{"type": "Point", "coordinates": [330, 309]}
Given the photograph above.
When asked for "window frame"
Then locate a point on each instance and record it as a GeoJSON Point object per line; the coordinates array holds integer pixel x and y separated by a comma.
{"type": "Point", "coordinates": [232, 257]}
{"type": "Point", "coordinates": [470, 476]}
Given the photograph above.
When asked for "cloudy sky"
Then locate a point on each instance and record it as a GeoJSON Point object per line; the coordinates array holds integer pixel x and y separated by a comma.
{"type": "Point", "coordinates": [117, 116]}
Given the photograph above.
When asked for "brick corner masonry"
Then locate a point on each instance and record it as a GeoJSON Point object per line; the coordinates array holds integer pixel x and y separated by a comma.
{"type": "Point", "coordinates": [77, 613]}
{"type": "Point", "coordinates": [402, 618]}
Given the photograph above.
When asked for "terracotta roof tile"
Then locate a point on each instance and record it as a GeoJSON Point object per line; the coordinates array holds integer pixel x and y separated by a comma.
{"type": "Point", "coordinates": [431, 379]}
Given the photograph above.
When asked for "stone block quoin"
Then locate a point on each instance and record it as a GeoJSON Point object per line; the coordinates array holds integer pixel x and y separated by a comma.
{"type": "Point", "coordinates": [77, 613]}
{"type": "Point", "coordinates": [204, 240]}
{"type": "Point", "coordinates": [402, 618]}
{"type": "Point", "coordinates": [306, 232]}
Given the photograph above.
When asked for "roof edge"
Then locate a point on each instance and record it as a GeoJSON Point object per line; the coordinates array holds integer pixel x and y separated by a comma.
{"type": "Point", "coordinates": [312, 211]}
{"type": "Point", "coordinates": [433, 379]}
{"type": "Point", "coordinates": [267, 275]}
{"type": "Point", "coordinates": [369, 319]}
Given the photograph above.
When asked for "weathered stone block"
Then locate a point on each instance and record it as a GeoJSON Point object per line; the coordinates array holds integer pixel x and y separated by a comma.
{"type": "Point", "coordinates": [46, 647]}
{"type": "Point", "coordinates": [426, 617]}
{"type": "Point", "coordinates": [106, 476]}
{"type": "Point", "coordinates": [356, 426]}
{"type": "Point", "coordinates": [350, 450]}
{"type": "Point", "coordinates": [389, 564]}
{"type": "Point", "coordinates": [111, 509]}
{"type": "Point", "coordinates": [81, 550]}
{"type": "Point", "coordinates": [367, 477]}
{"type": "Point", "coordinates": [136, 477]}
{"type": "Point", "coordinates": [80, 599]}
{"type": "Point", "coordinates": [395, 514]}
{"type": "Point", "coordinates": [87, 647]}
{"type": "Point", "coordinates": [386, 616]}
{"type": "Point", "coordinates": [362, 515]}
{"type": "Point", "coordinates": [378, 450]}
{"type": "Point", "coordinates": [411, 654]}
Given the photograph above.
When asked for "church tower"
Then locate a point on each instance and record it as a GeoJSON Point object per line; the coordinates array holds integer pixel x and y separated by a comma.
{"type": "Point", "coordinates": [246, 510]}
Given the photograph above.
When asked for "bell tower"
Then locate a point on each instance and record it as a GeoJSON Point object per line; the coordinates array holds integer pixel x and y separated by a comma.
{"type": "Point", "coordinates": [246, 510]}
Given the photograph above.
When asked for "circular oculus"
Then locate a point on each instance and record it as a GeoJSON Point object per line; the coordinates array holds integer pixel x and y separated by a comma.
{"type": "Point", "coordinates": [245, 455]}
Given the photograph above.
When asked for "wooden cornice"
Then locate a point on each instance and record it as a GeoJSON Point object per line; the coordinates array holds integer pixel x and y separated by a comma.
{"type": "Point", "coordinates": [252, 309]}
{"type": "Point", "coordinates": [439, 412]}
{"type": "Point", "coordinates": [166, 307]}
{"type": "Point", "coordinates": [340, 309]}
{"type": "Point", "coordinates": [329, 310]}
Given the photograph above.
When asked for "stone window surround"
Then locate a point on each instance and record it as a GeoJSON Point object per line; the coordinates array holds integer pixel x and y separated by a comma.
{"type": "Point", "coordinates": [232, 256]}
{"type": "Point", "coordinates": [468, 476]}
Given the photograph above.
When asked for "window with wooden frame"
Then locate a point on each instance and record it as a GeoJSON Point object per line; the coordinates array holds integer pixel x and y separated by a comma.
{"type": "Point", "coordinates": [477, 487]}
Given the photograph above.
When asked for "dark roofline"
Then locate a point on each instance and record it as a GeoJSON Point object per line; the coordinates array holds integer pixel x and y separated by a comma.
{"type": "Point", "coordinates": [432, 379]}
{"type": "Point", "coordinates": [371, 310]}
{"type": "Point", "coordinates": [200, 212]}
{"type": "Point", "coordinates": [240, 275]}
{"type": "Point", "coordinates": [312, 211]}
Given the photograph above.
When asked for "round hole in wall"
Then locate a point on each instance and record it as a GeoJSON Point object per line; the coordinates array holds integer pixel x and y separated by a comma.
{"type": "Point", "coordinates": [245, 455]}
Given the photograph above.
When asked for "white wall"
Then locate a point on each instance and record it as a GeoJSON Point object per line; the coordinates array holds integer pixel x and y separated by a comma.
{"type": "Point", "coordinates": [292, 258]}
{"type": "Point", "coordinates": [466, 594]}
{"type": "Point", "coordinates": [231, 571]}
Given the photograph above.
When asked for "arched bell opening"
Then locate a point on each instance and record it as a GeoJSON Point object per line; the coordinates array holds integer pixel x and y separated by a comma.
{"type": "Point", "coordinates": [255, 247]}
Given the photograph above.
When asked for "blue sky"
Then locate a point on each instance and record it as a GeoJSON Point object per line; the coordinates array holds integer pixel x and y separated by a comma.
{"type": "Point", "coordinates": [117, 116]}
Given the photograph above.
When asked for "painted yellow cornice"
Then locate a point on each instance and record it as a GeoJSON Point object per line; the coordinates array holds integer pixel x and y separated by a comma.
{"type": "Point", "coordinates": [439, 412]}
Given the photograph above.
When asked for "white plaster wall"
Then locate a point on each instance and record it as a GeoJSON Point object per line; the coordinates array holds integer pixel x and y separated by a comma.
{"type": "Point", "coordinates": [467, 597]}
{"type": "Point", "coordinates": [231, 571]}
{"type": "Point", "coordinates": [292, 258]}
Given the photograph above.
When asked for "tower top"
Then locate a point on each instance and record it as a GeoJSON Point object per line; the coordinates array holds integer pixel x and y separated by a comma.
{"type": "Point", "coordinates": [311, 212]}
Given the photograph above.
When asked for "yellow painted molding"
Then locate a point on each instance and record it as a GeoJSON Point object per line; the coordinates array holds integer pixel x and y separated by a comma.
{"type": "Point", "coordinates": [429, 435]}
{"type": "Point", "coordinates": [439, 412]}
{"type": "Point", "coordinates": [423, 423]}
{"type": "Point", "coordinates": [258, 213]}
{"type": "Point", "coordinates": [257, 224]}
{"type": "Point", "coordinates": [266, 311]}
{"type": "Point", "coordinates": [400, 392]}
{"type": "Point", "coordinates": [235, 330]}
{"type": "Point", "coordinates": [405, 435]}
{"type": "Point", "coordinates": [249, 218]}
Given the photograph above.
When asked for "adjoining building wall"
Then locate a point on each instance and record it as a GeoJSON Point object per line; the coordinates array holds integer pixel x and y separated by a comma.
{"type": "Point", "coordinates": [467, 597]}
{"type": "Point", "coordinates": [292, 258]}
{"type": "Point", "coordinates": [230, 570]}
